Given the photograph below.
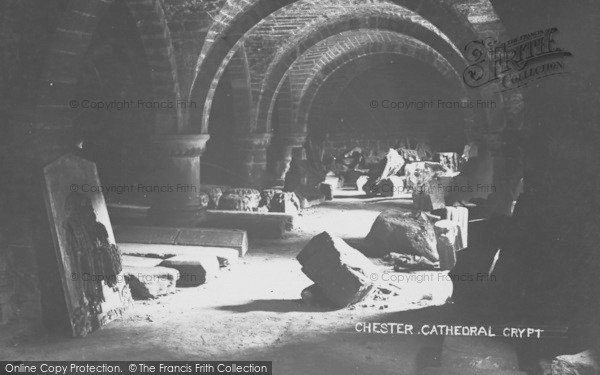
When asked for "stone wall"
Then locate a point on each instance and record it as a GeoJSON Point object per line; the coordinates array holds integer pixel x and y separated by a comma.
{"type": "Point", "coordinates": [24, 28]}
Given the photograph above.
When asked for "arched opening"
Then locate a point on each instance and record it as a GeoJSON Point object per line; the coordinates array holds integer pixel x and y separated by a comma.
{"type": "Point", "coordinates": [389, 105]}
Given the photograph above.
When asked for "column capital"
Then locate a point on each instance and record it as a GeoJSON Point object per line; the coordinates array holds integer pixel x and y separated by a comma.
{"type": "Point", "coordinates": [180, 145]}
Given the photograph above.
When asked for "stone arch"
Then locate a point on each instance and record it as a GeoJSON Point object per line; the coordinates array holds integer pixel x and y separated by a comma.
{"type": "Point", "coordinates": [381, 43]}
{"type": "Point", "coordinates": [237, 18]}
{"type": "Point", "coordinates": [376, 22]}
{"type": "Point", "coordinates": [317, 65]}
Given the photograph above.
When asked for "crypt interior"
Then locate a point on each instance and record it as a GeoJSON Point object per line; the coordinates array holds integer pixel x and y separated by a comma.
{"type": "Point", "coordinates": [274, 121]}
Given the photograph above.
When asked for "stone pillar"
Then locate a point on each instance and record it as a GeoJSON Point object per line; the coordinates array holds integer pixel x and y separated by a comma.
{"type": "Point", "coordinates": [251, 159]}
{"type": "Point", "coordinates": [178, 175]}
{"type": "Point", "coordinates": [286, 145]}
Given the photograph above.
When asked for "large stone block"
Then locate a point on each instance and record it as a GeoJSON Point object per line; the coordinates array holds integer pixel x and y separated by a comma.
{"type": "Point", "coordinates": [193, 270]}
{"type": "Point", "coordinates": [150, 282]}
{"type": "Point", "coordinates": [341, 272]}
{"type": "Point", "coordinates": [404, 232]}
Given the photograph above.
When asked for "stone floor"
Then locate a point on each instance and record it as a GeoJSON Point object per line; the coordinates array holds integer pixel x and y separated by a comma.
{"type": "Point", "coordinates": [253, 312]}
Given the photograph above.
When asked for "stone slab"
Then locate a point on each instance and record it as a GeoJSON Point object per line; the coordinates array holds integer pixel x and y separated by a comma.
{"type": "Point", "coordinates": [80, 225]}
{"type": "Point", "coordinates": [256, 224]}
{"type": "Point", "coordinates": [148, 254]}
{"type": "Point", "coordinates": [193, 270]}
{"type": "Point", "coordinates": [150, 282]}
{"type": "Point", "coordinates": [205, 237]}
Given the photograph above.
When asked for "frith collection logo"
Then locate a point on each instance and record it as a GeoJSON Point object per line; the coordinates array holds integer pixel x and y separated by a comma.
{"type": "Point", "coordinates": [516, 62]}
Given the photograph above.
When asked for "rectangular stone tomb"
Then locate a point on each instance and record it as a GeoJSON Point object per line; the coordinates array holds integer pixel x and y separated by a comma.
{"type": "Point", "coordinates": [88, 260]}
{"type": "Point", "coordinates": [340, 271]}
{"type": "Point", "coordinates": [203, 237]}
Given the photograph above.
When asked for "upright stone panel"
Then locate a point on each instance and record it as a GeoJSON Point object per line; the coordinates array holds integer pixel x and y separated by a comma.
{"type": "Point", "coordinates": [89, 262]}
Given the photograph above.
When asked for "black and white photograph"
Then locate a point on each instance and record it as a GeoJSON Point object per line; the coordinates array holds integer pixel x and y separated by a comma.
{"type": "Point", "coordinates": [300, 187]}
